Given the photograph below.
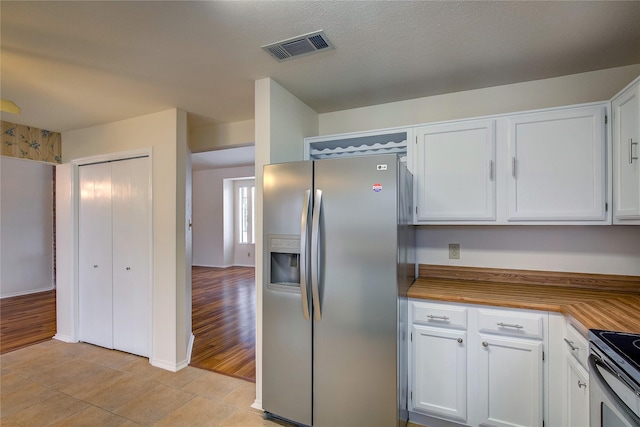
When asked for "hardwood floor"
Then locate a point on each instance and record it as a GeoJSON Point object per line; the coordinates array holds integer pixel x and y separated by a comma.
{"type": "Point", "coordinates": [224, 318]}
{"type": "Point", "coordinates": [26, 320]}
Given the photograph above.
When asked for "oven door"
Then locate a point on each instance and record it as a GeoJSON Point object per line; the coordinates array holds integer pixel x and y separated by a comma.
{"type": "Point", "coordinates": [612, 403]}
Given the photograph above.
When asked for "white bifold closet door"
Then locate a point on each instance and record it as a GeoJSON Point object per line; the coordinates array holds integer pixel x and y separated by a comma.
{"type": "Point", "coordinates": [114, 255]}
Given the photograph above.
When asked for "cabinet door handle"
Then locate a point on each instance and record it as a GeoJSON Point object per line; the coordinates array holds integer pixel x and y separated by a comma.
{"type": "Point", "coordinates": [490, 170]}
{"type": "Point", "coordinates": [432, 317]}
{"type": "Point", "coordinates": [95, 265]}
{"type": "Point", "coordinates": [513, 167]}
{"type": "Point", "coordinates": [581, 384]}
{"type": "Point", "coordinates": [485, 344]}
{"type": "Point", "coordinates": [631, 156]}
{"type": "Point", "coordinates": [570, 344]}
{"type": "Point", "coordinates": [509, 325]}
{"type": "Point", "coordinates": [460, 340]}
{"type": "Point", "coordinates": [128, 268]}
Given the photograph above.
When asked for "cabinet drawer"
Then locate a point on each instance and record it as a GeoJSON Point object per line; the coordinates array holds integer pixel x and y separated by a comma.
{"type": "Point", "coordinates": [442, 315]}
{"type": "Point", "coordinates": [519, 324]}
{"type": "Point", "coordinates": [577, 345]}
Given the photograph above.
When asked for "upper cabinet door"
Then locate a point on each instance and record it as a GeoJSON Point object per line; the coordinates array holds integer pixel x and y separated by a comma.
{"type": "Point", "coordinates": [626, 154]}
{"type": "Point", "coordinates": [557, 166]}
{"type": "Point", "coordinates": [455, 176]}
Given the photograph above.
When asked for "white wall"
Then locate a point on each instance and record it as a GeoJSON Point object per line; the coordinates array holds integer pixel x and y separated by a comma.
{"type": "Point", "coordinates": [281, 123]}
{"type": "Point", "coordinates": [589, 249]}
{"type": "Point", "coordinates": [165, 134]}
{"type": "Point", "coordinates": [66, 224]}
{"type": "Point", "coordinates": [212, 247]}
{"type": "Point", "coordinates": [26, 227]}
{"type": "Point", "coordinates": [567, 90]}
{"type": "Point", "coordinates": [224, 135]}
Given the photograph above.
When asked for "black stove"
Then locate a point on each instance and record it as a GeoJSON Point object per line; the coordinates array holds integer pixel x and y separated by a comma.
{"type": "Point", "coordinates": [622, 348]}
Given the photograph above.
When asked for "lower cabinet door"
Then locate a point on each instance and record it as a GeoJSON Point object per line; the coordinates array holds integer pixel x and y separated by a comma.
{"type": "Point", "coordinates": [510, 391]}
{"type": "Point", "coordinates": [439, 382]}
{"type": "Point", "coordinates": [578, 399]}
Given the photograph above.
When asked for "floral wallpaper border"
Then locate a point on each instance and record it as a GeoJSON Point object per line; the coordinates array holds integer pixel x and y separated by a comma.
{"type": "Point", "coordinates": [27, 142]}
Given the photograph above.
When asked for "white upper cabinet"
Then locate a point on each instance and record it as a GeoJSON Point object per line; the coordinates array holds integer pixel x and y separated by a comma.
{"type": "Point", "coordinates": [626, 154]}
{"type": "Point", "coordinates": [557, 165]}
{"type": "Point", "coordinates": [455, 172]}
{"type": "Point", "coordinates": [550, 166]}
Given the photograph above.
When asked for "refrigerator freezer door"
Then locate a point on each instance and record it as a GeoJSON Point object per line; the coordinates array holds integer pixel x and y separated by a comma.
{"type": "Point", "coordinates": [287, 339]}
{"type": "Point", "coordinates": [355, 341]}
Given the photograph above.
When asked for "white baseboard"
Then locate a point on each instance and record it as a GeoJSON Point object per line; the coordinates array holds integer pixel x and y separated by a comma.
{"type": "Point", "coordinates": [167, 366]}
{"type": "Point", "coordinates": [210, 266]}
{"type": "Point", "coordinates": [27, 292]}
{"type": "Point", "coordinates": [64, 338]}
{"type": "Point", "coordinates": [175, 367]}
{"type": "Point", "coordinates": [257, 404]}
{"type": "Point", "coordinates": [244, 265]}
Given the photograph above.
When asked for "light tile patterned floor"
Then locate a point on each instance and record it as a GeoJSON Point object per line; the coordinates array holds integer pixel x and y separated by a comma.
{"type": "Point", "coordinates": [60, 384]}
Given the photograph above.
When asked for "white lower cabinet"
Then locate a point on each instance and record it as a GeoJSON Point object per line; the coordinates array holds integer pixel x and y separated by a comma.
{"type": "Point", "coordinates": [487, 370]}
{"type": "Point", "coordinates": [440, 370]}
{"type": "Point", "coordinates": [576, 378]}
{"type": "Point", "coordinates": [510, 381]}
{"type": "Point", "coordinates": [577, 395]}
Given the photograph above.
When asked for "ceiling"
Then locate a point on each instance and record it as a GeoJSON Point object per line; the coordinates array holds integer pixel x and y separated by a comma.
{"type": "Point", "coordinates": [71, 65]}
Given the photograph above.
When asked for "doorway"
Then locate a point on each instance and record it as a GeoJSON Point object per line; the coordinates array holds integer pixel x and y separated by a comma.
{"type": "Point", "coordinates": [27, 290]}
{"type": "Point", "coordinates": [223, 274]}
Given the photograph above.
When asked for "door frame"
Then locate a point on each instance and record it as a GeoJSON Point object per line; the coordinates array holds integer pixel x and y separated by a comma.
{"type": "Point", "coordinates": [70, 307]}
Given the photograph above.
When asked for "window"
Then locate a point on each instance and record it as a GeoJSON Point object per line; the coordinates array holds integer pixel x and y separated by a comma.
{"type": "Point", "coordinates": [246, 224]}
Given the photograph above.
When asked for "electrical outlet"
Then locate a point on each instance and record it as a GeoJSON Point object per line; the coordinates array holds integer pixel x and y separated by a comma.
{"type": "Point", "coordinates": [454, 250]}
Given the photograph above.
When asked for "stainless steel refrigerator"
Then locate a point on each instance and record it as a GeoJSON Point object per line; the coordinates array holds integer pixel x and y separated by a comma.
{"type": "Point", "coordinates": [338, 261]}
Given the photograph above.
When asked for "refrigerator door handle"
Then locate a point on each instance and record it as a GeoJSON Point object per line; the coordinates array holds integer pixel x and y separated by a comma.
{"type": "Point", "coordinates": [304, 253]}
{"type": "Point", "coordinates": [315, 254]}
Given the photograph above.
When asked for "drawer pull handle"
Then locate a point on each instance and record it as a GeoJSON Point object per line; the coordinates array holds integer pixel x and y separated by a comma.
{"type": "Point", "coordinates": [571, 346]}
{"type": "Point", "coordinates": [581, 384]}
{"type": "Point", "coordinates": [485, 344]}
{"type": "Point", "coordinates": [510, 325]}
{"type": "Point", "coordinates": [460, 340]}
{"type": "Point", "coordinates": [432, 317]}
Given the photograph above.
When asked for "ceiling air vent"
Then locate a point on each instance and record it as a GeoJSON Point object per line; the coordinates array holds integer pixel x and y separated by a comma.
{"type": "Point", "coordinates": [299, 46]}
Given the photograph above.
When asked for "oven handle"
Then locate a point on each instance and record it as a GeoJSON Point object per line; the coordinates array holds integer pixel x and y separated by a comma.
{"type": "Point", "coordinates": [594, 362]}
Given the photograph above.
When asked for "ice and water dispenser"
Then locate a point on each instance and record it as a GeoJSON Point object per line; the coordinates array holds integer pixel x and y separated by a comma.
{"type": "Point", "coordinates": [284, 261]}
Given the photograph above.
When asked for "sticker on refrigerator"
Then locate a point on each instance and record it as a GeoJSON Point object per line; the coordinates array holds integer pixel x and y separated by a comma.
{"type": "Point", "coordinates": [377, 188]}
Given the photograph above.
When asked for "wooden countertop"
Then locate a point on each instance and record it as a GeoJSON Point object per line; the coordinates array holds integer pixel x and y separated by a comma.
{"type": "Point", "coordinates": [594, 301]}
